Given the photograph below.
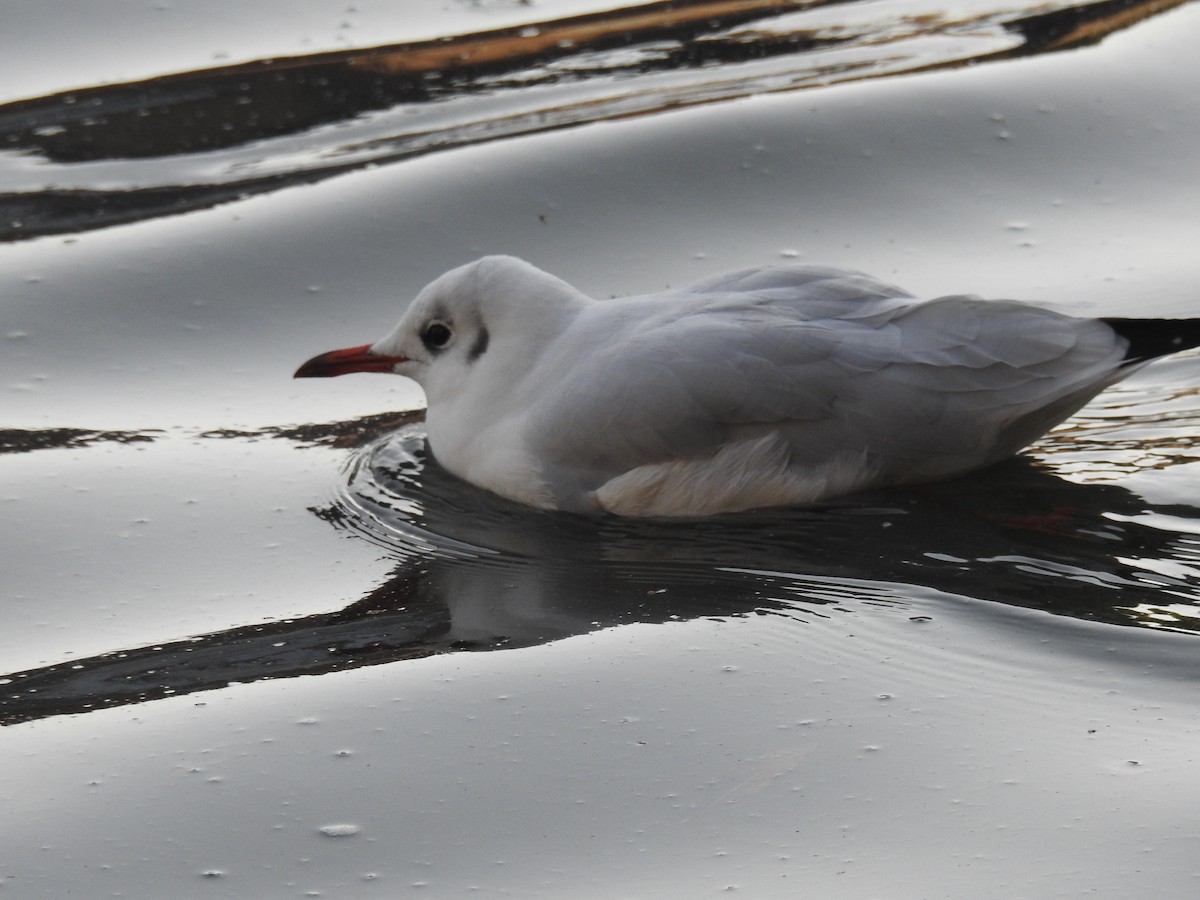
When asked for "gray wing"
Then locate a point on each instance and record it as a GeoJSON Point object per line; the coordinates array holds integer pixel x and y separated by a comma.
{"type": "Point", "coordinates": [963, 382]}
{"type": "Point", "coordinates": [925, 389]}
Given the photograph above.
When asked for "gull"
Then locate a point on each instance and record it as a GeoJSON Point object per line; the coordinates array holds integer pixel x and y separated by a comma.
{"type": "Point", "coordinates": [770, 386]}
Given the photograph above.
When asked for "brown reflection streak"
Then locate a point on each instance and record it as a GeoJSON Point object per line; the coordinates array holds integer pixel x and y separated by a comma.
{"type": "Point", "coordinates": [636, 23]}
{"type": "Point", "coordinates": [1163, 618]}
{"type": "Point", "coordinates": [1103, 440]}
{"type": "Point", "coordinates": [186, 116]}
{"type": "Point", "coordinates": [1120, 18]}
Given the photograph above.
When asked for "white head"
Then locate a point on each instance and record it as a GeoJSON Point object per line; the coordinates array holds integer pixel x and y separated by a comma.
{"type": "Point", "coordinates": [498, 311]}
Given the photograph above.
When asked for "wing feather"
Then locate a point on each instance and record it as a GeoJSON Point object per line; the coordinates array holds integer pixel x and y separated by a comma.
{"type": "Point", "coordinates": [835, 363]}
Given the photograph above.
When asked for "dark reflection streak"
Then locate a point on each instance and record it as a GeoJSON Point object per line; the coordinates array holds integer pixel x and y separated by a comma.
{"type": "Point", "coordinates": [207, 111]}
{"type": "Point", "coordinates": [407, 617]}
{"type": "Point", "coordinates": [305, 646]}
{"type": "Point", "coordinates": [28, 215]}
{"type": "Point", "coordinates": [1074, 27]}
{"type": "Point", "coordinates": [19, 440]}
{"type": "Point", "coordinates": [273, 97]}
{"type": "Point", "coordinates": [347, 433]}
{"type": "Point", "coordinates": [344, 434]}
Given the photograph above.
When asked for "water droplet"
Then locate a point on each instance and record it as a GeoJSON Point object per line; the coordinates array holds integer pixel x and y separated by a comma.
{"type": "Point", "coordinates": [339, 829]}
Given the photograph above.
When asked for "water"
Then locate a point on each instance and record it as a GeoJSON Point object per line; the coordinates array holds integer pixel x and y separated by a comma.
{"type": "Point", "coordinates": [255, 641]}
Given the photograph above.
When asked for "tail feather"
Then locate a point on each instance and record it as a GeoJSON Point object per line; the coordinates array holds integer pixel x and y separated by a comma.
{"type": "Point", "coordinates": [1152, 338]}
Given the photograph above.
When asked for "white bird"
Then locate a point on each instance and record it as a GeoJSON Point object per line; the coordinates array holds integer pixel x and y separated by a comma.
{"type": "Point", "coordinates": [769, 386]}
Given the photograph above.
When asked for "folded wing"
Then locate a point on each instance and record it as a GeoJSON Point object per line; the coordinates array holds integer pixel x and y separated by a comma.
{"type": "Point", "coordinates": [836, 364]}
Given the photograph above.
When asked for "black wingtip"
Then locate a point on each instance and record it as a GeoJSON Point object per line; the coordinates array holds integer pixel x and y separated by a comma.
{"type": "Point", "coordinates": [1152, 338]}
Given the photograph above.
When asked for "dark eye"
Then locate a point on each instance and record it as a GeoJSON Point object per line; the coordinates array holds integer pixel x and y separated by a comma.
{"type": "Point", "coordinates": [436, 335]}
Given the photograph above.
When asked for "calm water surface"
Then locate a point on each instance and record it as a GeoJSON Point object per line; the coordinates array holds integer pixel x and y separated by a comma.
{"type": "Point", "coordinates": [255, 642]}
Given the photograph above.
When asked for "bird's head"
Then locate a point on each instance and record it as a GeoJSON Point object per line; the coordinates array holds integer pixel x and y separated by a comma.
{"type": "Point", "coordinates": [497, 308]}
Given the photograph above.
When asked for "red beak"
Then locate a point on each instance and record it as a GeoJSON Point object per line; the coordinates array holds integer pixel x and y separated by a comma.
{"type": "Point", "coordinates": [352, 359]}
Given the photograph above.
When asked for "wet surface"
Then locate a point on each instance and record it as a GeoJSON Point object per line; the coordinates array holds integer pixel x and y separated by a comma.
{"type": "Point", "coordinates": [257, 643]}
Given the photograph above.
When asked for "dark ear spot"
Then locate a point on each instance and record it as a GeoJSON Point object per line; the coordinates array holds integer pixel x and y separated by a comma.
{"type": "Point", "coordinates": [479, 347]}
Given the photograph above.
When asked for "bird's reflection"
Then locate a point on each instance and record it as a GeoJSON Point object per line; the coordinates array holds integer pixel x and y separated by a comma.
{"type": "Point", "coordinates": [476, 572]}
{"type": "Point", "coordinates": [1016, 534]}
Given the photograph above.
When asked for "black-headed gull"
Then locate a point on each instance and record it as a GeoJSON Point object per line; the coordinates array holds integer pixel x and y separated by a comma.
{"type": "Point", "coordinates": [765, 387]}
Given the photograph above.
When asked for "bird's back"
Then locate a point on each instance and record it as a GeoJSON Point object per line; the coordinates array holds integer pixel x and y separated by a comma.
{"type": "Point", "coordinates": [834, 364]}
